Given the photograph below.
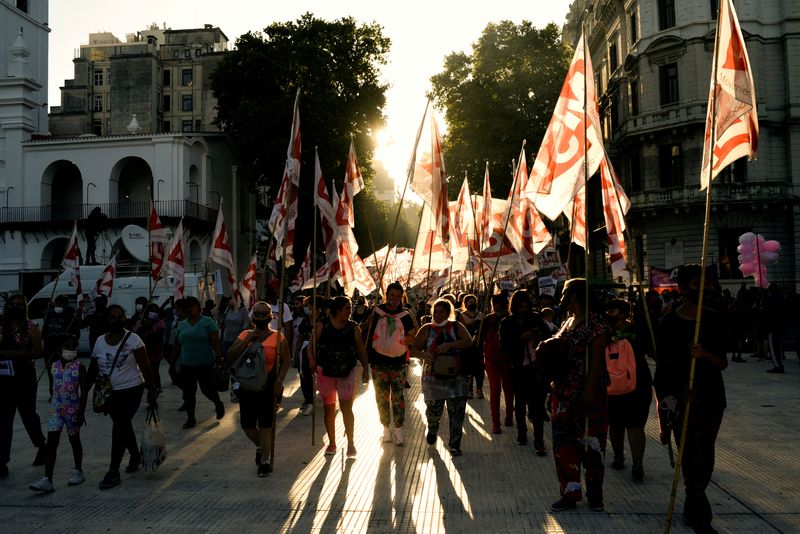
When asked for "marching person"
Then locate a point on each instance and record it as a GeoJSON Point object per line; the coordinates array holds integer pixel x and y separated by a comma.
{"type": "Point", "coordinates": [708, 402]}
{"type": "Point", "coordinates": [470, 316]}
{"type": "Point", "coordinates": [257, 403]}
{"type": "Point", "coordinates": [121, 355]}
{"type": "Point", "coordinates": [334, 356]}
{"type": "Point", "coordinates": [151, 329]}
{"type": "Point", "coordinates": [21, 344]}
{"type": "Point", "coordinates": [497, 366]}
{"type": "Point", "coordinates": [68, 397]}
{"type": "Point", "coordinates": [443, 337]}
{"type": "Point", "coordinates": [390, 331]}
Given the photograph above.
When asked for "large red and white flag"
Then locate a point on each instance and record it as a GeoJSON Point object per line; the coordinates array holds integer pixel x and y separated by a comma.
{"type": "Point", "coordinates": [247, 288]}
{"type": "Point", "coordinates": [353, 184]}
{"type": "Point", "coordinates": [615, 206]}
{"type": "Point", "coordinates": [221, 250]}
{"type": "Point", "coordinates": [284, 213]}
{"type": "Point", "coordinates": [575, 213]}
{"type": "Point", "coordinates": [732, 101]}
{"type": "Point", "coordinates": [328, 206]}
{"type": "Point", "coordinates": [430, 182]}
{"type": "Point", "coordinates": [485, 221]}
{"type": "Point", "coordinates": [174, 264]}
{"type": "Point", "coordinates": [72, 264]}
{"type": "Point", "coordinates": [105, 282]}
{"type": "Point", "coordinates": [462, 222]}
{"type": "Point", "coordinates": [558, 171]}
{"type": "Point", "coordinates": [303, 273]}
{"type": "Point", "coordinates": [526, 230]}
{"type": "Point", "coordinates": [158, 240]}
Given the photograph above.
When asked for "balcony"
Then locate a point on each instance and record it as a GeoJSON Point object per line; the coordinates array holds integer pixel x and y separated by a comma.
{"type": "Point", "coordinates": [666, 117]}
{"type": "Point", "coordinates": [721, 193]}
{"type": "Point", "coordinates": [39, 217]}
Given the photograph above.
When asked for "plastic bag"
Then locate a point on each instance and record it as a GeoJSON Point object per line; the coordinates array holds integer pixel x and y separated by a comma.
{"type": "Point", "coordinates": [154, 442]}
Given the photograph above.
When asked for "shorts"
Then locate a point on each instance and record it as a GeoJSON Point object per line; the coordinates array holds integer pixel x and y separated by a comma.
{"type": "Point", "coordinates": [257, 408]}
{"type": "Point", "coordinates": [329, 387]}
{"type": "Point", "coordinates": [63, 416]}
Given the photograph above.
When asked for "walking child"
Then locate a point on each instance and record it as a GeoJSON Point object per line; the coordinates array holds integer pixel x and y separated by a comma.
{"type": "Point", "coordinates": [68, 397]}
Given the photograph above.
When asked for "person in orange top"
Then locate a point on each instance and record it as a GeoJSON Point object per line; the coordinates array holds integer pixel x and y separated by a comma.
{"type": "Point", "coordinates": [257, 408]}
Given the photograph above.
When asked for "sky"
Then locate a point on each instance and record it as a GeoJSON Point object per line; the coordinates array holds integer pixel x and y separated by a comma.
{"type": "Point", "coordinates": [422, 34]}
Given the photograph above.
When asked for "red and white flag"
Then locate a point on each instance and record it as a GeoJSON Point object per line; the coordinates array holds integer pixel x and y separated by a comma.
{"type": "Point", "coordinates": [158, 239]}
{"type": "Point", "coordinates": [221, 250]}
{"type": "Point", "coordinates": [733, 100]}
{"type": "Point", "coordinates": [247, 288]}
{"type": "Point", "coordinates": [72, 264]}
{"type": "Point", "coordinates": [526, 230]}
{"type": "Point", "coordinates": [430, 182]}
{"type": "Point", "coordinates": [575, 212]}
{"type": "Point", "coordinates": [284, 212]}
{"type": "Point", "coordinates": [174, 263]}
{"type": "Point", "coordinates": [615, 206]}
{"type": "Point", "coordinates": [353, 184]}
{"type": "Point", "coordinates": [485, 221]}
{"type": "Point", "coordinates": [328, 206]}
{"type": "Point", "coordinates": [461, 221]}
{"type": "Point", "coordinates": [105, 282]}
{"type": "Point", "coordinates": [558, 171]}
{"type": "Point", "coordinates": [303, 273]}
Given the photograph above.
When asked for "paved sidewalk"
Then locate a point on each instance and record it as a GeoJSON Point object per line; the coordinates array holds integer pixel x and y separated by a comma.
{"type": "Point", "coordinates": [208, 482]}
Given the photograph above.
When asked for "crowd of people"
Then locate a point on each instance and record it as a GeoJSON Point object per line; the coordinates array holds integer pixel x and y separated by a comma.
{"type": "Point", "coordinates": [580, 364]}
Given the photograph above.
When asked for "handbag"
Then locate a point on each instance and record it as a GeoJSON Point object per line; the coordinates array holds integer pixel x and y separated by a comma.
{"type": "Point", "coordinates": [101, 399]}
{"type": "Point", "coordinates": [222, 377]}
{"type": "Point", "coordinates": [446, 365]}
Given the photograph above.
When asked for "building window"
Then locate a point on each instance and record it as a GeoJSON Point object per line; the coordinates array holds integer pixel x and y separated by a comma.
{"type": "Point", "coordinates": [186, 126]}
{"type": "Point", "coordinates": [633, 27]}
{"type": "Point", "coordinates": [635, 173]}
{"type": "Point", "coordinates": [98, 77]}
{"type": "Point", "coordinates": [167, 77]}
{"type": "Point", "coordinates": [108, 103]}
{"type": "Point", "coordinates": [634, 96]}
{"type": "Point", "coordinates": [22, 5]}
{"type": "Point", "coordinates": [187, 53]}
{"type": "Point", "coordinates": [167, 103]}
{"type": "Point", "coordinates": [98, 103]}
{"type": "Point", "coordinates": [198, 51]}
{"type": "Point", "coordinates": [108, 78]}
{"type": "Point", "coordinates": [186, 76]}
{"type": "Point", "coordinates": [197, 125]}
{"type": "Point", "coordinates": [735, 173]}
{"type": "Point", "coordinates": [167, 126]}
{"type": "Point", "coordinates": [186, 103]}
{"type": "Point", "coordinates": [666, 14]}
{"type": "Point", "coordinates": [714, 9]}
{"type": "Point", "coordinates": [668, 80]}
{"type": "Point", "coordinates": [176, 54]}
{"type": "Point", "coordinates": [614, 112]}
{"type": "Point", "coordinates": [108, 126]}
{"type": "Point", "coordinates": [97, 127]}
{"type": "Point", "coordinates": [670, 165]}
{"type": "Point", "coordinates": [613, 57]}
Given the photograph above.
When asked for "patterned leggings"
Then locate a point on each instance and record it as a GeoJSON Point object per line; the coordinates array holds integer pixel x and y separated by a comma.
{"type": "Point", "coordinates": [570, 452]}
{"type": "Point", "coordinates": [456, 408]}
{"type": "Point", "coordinates": [389, 382]}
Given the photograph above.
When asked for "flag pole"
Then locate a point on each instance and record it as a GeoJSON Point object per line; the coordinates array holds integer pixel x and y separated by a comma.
{"type": "Point", "coordinates": [478, 238]}
{"type": "Point", "coordinates": [414, 254]}
{"type": "Point", "coordinates": [314, 313]}
{"type": "Point", "coordinates": [409, 175]}
{"type": "Point", "coordinates": [703, 259]}
{"type": "Point", "coordinates": [586, 258]}
{"type": "Point", "coordinates": [149, 245]}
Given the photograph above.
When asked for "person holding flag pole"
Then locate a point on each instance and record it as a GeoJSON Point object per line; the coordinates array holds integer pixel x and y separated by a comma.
{"type": "Point", "coordinates": [731, 133]}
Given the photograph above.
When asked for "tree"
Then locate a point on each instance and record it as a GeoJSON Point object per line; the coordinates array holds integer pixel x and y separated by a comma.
{"type": "Point", "coordinates": [337, 66]}
{"type": "Point", "coordinates": [501, 93]}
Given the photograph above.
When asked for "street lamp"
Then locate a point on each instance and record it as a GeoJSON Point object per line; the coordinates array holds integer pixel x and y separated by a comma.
{"type": "Point", "coordinates": [87, 191]}
{"type": "Point", "coordinates": [158, 188]}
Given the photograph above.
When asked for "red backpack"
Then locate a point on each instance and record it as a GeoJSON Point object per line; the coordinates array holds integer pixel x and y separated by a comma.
{"type": "Point", "coordinates": [621, 365]}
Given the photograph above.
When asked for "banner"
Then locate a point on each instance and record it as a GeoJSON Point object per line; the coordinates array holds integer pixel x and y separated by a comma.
{"type": "Point", "coordinates": [667, 279]}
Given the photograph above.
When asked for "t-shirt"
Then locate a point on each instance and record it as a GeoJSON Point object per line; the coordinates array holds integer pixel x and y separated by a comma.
{"type": "Point", "coordinates": [126, 371]}
{"type": "Point", "coordinates": [235, 322]}
{"type": "Point", "coordinates": [194, 339]}
{"type": "Point", "coordinates": [287, 316]}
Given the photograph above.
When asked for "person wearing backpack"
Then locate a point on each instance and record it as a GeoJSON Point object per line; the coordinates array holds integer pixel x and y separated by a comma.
{"type": "Point", "coordinates": [440, 345]}
{"type": "Point", "coordinates": [390, 331]}
{"type": "Point", "coordinates": [333, 356]}
{"type": "Point", "coordinates": [254, 356]}
{"type": "Point", "coordinates": [631, 390]}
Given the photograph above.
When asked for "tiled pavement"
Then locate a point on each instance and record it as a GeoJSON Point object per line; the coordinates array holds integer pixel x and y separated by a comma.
{"type": "Point", "coordinates": [208, 482]}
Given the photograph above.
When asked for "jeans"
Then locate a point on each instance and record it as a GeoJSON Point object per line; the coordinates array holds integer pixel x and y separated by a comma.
{"type": "Point", "coordinates": [124, 405]}
{"type": "Point", "coordinates": [18, 393]}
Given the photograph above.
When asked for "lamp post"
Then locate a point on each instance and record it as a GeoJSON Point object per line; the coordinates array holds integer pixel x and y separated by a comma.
{"type": "Point", "coordinates": [158, 188]}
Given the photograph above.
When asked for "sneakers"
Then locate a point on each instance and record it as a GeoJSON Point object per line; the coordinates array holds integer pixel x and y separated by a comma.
{"type": "Point", "coordinates": [387, 435]}
{"type": "Point", "coordinates": [76, 478]}
{"type": "Point", "coordinates": [431, 437]}
{"type": "Point", "coordinates": [220, 409]}
{"type": "Point", "coordinates": [539, 446]}
{"type": "Point", "coordinates": [455, 451]}
{"type": "Point", "coordinates": [190, 423]}
{"type": "Point", "coordinates": [522, 438]}
{"type": "Point", "coordinates": [351, 452]}
{"type": "Point", "coordinates": [308, 409]}
{"type": "Point", "coordinates": [562, 504]}
{"type": "Point", "coordinates": [331, 450]}
{"type": "Point", "coordinates": [398, 436]}
{"type": "Point", "coordinates": [43, 485]}
{"type": "Point", "coordinates": [111, 480]}
{"type": "Point", "coordinates": [264, 469]}
{"type": "Point", "coordinates": [258, 455]}
{"type": "Point", "coordinates": [133, 465]}
{"type": "Point", "coordinates": [41, 456]}
{"type": "Point", "coordinates": [637, 472]}
{"type": "Point", "coordinates": [618, 464]}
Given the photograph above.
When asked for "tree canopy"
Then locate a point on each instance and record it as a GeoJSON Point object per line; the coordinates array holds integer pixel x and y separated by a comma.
{"type": "Point", "coordinates": [336, 64]}
{"type": "Point", "coordinates": [501, 93]}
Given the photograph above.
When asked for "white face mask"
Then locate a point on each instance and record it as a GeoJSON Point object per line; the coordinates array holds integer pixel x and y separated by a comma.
{"type": "Point", "coordinates": [440, 325]}
{"type": "Point", "coordinates": [58, 309]}
{"type": "Point", "coordinates": [139, 307]}
{"type": "Point", "coordinates": [69, 355]}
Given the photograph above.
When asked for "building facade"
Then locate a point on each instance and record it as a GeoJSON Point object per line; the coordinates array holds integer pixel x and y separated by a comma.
{"type": "Point", "coordinates": [652, 68]}
{"type": "Point", "coordinates": [160, 75]}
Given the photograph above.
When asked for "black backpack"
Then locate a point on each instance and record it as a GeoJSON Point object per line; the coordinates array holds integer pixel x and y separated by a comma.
{"type": "Point", "coordinates": [336, 350]}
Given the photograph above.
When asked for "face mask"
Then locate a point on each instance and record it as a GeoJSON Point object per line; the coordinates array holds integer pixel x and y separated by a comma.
{"type": "Point", "coordinates": [307, 311]}
{"type": "Point", "coordinates": [261, 323]}
{"type": "Point", "coordinates": [58, 309]}
{"type": "Point", "coordinates": [441, 324]}
{"type": "Point", "coordinates": [139, 307]}
{"type": "Point", "coordinates": [152, 315]}
{"type": "Point", "coordinates": [69, 355]}
{"type": "Point", "coordinates": [392, 304]}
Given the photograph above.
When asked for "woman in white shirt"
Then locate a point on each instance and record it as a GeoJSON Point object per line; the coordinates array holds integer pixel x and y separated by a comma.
{"type": "Point", "coordinates": [129, 376]}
